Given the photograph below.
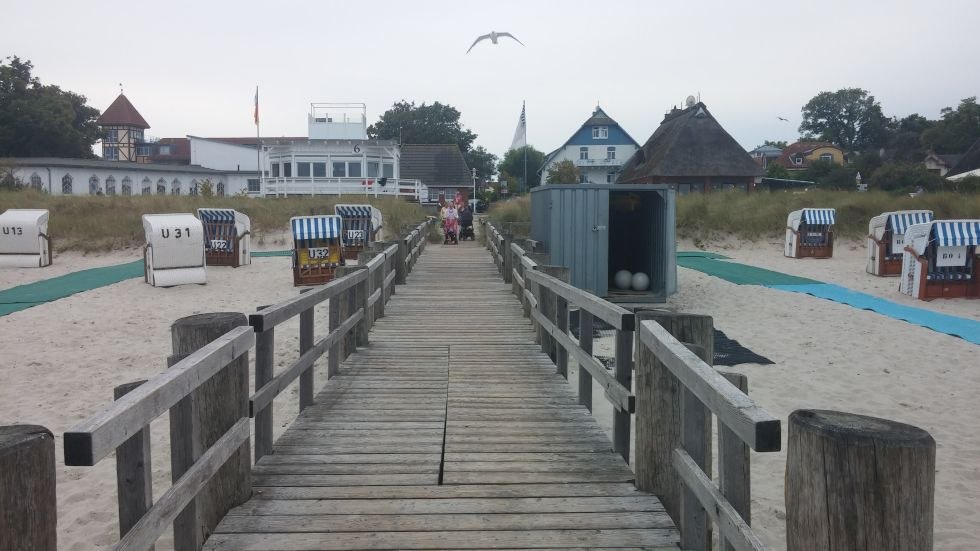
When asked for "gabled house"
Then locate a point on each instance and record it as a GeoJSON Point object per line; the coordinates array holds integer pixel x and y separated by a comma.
{"type": "Point", "coordinates": [598, 148]}
{"type": "Point", "coordinates": [691, 152]}
{"type": "Point", "coordinates": [940, 164]}
{"type": "Point", "coordinates": [799, 155]}
{"type": "Point", "coordinates": [441, 167]}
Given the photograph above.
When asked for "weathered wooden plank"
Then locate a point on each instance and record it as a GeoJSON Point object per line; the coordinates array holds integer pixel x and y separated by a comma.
{"type": "Point", "coordinates": [351, 458]}
{"type": "Point", "coordinates": [474, 505]}
{"type": "Point", "coordinates": [536, 491]}
{"type": "Point", "coordinates": [476, 539]}
{"type": "Point", "coordinates": [431, 467]}
{"type": "Point", "coordinates": [429, 523]}
{"type": "Point", "coordinates": [345, 479]}
{"type": "Point", "coordinates": [91, 440]}
{"type": "Point", "coordinates": [493, 477]}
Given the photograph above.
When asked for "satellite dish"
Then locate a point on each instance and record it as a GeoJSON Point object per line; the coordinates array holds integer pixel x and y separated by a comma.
{"type": "Point", "coordinates": [690, 101]}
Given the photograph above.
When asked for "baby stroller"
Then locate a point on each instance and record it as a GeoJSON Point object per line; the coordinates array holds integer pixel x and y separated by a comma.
{"type": "Point", "coordinates": [466, 225]}
{"type": "Point", "coordinates": [451, 228]}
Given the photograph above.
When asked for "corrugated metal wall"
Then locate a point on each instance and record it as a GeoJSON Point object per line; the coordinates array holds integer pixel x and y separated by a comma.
{"type": "Point", "coordinates": [572, 221]}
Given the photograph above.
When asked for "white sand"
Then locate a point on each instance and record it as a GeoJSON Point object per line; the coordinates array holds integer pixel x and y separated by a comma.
{"type": "Point", "coordinates": [60, 361]}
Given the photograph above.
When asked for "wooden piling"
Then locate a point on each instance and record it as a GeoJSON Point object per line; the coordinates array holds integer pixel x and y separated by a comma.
{"type": "Point", "coordinates": [214, 408]}
{"type": "Point", "coordinates": [858, 482]}
{"type": "Point", "coordinates": [28, 505]}
{"type": "Point", "coordinates": [658, 406]}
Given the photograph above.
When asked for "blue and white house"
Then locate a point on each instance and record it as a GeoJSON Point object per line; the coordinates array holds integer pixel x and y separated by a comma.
{"type": "Point", "coordinates": [599, 148]}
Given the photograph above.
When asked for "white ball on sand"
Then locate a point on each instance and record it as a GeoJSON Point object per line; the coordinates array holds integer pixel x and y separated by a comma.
{"type": "Point", "coordinates": [640, 281]}
{"type": "Point", "coordinates": [622, 279]}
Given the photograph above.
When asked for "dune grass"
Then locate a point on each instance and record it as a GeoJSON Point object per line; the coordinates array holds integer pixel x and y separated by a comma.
{"type": "Point", "coordinates": [90, 224]}
{"type": "Point", "coordinates": [713, 216]}
{"type": "Point", "coordinates": [752, 216]}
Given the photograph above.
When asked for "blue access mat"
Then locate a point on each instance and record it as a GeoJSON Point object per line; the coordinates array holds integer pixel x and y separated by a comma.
{"type": "Point", "coordinates": [966, 329]}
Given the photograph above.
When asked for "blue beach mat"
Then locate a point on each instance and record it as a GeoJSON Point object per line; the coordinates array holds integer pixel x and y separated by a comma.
{"type": "Point", "coordinates": [23, 297]}
{"type": "Point", "coordinates": [963, 328]}
{"type": "Point", "coordinates": [743, 274]}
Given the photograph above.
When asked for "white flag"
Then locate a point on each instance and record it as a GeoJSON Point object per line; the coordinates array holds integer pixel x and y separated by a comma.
{"type": "Point", "coordinates": [520, 135]}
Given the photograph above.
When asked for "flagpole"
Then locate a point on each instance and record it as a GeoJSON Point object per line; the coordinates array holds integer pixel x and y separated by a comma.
{"type": "Point", "coordinates": [527, 188]}
{"type": "Point", "coordinates": [258, 142]}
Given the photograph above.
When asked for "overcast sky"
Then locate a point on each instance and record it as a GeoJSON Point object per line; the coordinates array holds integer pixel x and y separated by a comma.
{"type": "Point", "coordinates": [192, 67]}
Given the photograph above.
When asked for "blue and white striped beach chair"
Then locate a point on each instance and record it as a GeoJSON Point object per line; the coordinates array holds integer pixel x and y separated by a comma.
{"type": "Point", "coordinates": [227, 240]}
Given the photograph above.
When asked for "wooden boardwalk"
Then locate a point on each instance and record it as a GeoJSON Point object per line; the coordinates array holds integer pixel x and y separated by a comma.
{"type": "Point", "coordinates": [450, 431]}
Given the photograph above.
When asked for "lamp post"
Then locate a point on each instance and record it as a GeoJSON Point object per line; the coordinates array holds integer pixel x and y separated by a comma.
{"type": "Point", "coordinates": [857, 179]}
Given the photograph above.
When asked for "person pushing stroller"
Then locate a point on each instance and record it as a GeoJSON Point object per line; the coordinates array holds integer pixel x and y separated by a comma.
{"type": "Point", "coordinates": [466, 223]}
{"type": "Point", "coordinates": [450, 223]}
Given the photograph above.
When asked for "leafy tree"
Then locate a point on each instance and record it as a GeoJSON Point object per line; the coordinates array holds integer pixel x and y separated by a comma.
{"type": "Point", "coordinates": [483, 161]}
{"type": "Point", "coordinates": [781, 144]}
{"type": "Point", "coordinates": [422, 124]}
{"type": "Point", "coordinates": [957, 130]}
{"type": "Point", "coordinates": [42, 120]}
{"type": "Point", "coordinates": [850, 118]}
{"type": "Point", "coordinates": [564, 172]}
{"type": "Point", "coordinates": [776, 170]}
{"type": "Point", "coordinates": [513, 165]}
{"type": "Point", "coordinates": [902, 177]}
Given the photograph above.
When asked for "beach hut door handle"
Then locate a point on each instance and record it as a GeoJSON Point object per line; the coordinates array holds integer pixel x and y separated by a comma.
{"type": "Point", "coordinates": [598, 228]}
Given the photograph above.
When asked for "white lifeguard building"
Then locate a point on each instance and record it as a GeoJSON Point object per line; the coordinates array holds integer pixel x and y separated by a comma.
{"type": "Point", "coordinates": [174, 251]}
{"type": "Point", "coordinates": [24, 241]}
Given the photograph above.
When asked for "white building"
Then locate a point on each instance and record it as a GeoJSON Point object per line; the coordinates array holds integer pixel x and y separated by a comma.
{"type": "Point", "coordinates": [598, 148]}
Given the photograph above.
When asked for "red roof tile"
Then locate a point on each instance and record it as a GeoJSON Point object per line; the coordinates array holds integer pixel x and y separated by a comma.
{"type": "Point", "coordinates": [122, 112]}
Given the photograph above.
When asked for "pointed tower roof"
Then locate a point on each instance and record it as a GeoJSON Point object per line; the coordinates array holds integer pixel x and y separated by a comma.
{"type": "Point", "coordinates": [122, 112]}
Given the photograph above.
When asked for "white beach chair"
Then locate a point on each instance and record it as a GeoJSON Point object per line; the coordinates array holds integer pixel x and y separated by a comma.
{"type": "Point", "coordinates": [174, 251]}
{"type": "Point", "coordinates": [941, 260]}
{"type": "Point", "coordinates": [24, 241]}
{"type": "Point", "coordinates": [227, 237]}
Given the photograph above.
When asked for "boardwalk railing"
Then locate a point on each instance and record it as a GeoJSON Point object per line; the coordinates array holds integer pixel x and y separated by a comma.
{"type": "Point", "coordinates": [123, 427]}
{"type": "Point", "coordinates": [695, 391]}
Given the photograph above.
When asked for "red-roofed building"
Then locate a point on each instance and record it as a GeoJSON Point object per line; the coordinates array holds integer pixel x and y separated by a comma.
{"type": "Point", "coordinates": [799, 155]}
{"type": "Point", "coordinates": [122, 131]}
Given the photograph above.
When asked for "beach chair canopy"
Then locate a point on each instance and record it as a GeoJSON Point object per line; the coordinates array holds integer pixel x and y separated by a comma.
{"type": "Point", "coordinates": [361, 211]}
{"type": "Point", "coordinates": [222, 227]}
{"type": "Point", "coordinates": [221, 216]}
{"type": "Point", "coordinates": [20, 230]}
{"type": "Point", "coordinates": [901, 220]}
{"type": "Point", "coordinates": [819, 216]}
{"type": "Point", "coordinates": [956, 233]}
{"type": "Point", "coordinates": [309, 228]}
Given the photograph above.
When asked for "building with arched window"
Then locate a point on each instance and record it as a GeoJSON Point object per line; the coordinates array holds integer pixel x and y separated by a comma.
{"type": "Point", "coordinates": [93, 185]}
{"type": "Point", "coordinates": [66, 181]}
{"type": "Point", "coordinates": [110, 185]}
{"type": "Point", "coordinates": [127, 186]}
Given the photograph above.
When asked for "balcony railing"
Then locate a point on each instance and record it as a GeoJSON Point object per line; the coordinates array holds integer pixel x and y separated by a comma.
{"type": "Point", "coordinates": [598, 162]}
{"type": "Point", "coordinates": [278, 187]}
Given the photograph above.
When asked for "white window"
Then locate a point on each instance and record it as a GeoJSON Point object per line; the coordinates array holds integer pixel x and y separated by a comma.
{"type": "Point", "coordinates": [254, 186]}
{"type": "Point", "coordinates": [127, 186]}
{"type": "Point", "coordinates": [611, 177]}
{"type": "Point", "coordinates": [164, 150]}
{"type": "Point", "coordinates": [147, 187]}
{"type": "Point", "coordinates": [611, 153]}
{"type": "Point", "coordinates": [36, 181]}
{"type": "Point", "coordinates": [93, 185]}
{"type": "Point", "coordinates": [600, 132]}
{"type": "Point", "coordinates": [112, 135]}
{"type": "Point", "coordinates": [220, 188]}
{"type": "Point", "coordinates": [388, 170]}
{"type": "Point", "coordinates": [372, 169]}
{"type": "Point", "coordinates": [110, 153]}
{"type": "Point", "coordinates": [110, 185]}
{"type": "Point", "coordinates": [583, 153]}
{"type": "Point", "coordinates": [161, 187]}
{"type": "Point", "coordinates": [175, 189]}
{"type": "Point", "coordinates": [354, 169]}
{"type": "Point", "coordinates": [827, 157]}
{"type": "Point", "coordinates": [340, 170]}
{"type": "Point", "coordinates": [66, 185]}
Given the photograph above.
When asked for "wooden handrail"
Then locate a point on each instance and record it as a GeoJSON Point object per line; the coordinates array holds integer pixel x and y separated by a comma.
{"type": "Point", "coordinates": [278, 313]}
{"type": "Point", "coordinates": [93, 439]}
{"type": "Point", "coordinates": [616, 316]}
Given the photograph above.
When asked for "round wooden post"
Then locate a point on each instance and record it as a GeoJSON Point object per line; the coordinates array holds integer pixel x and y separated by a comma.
{"type": "Point", "coordinates": [210, 411]}
{"type": "Point", "coordinates": [28, 507]}
{"type": "Point", "coordinates": [858, 482]}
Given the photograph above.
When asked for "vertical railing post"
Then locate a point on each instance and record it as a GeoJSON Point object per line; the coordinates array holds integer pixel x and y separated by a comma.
{"type": "Point", "coordinates": [696, 441]}
{"type": "Point", "coordinates": [333, 322]}
{"type": "Point", "coordinates": [265, 352]}
{"type": "Point", "coordinates": [305, 344]}
{"type": "Point", "coordinates": [214, 407]}
{"type": "Point", "coordinates": [585, 343]}
{"type": "Point", "coordinates": [555, 309]}
{"type": "Point", "coordinates": [401, 270]}
{"type": "Point", "coordinates": [624, 375]}
{"type": "Point", "coordinates": [734, 478]}
{"type": "Point", "coordinates": [134, 472]}
{"type": "Point", "coordinates": [28, 504]}
{"type": "Point", "coordinates": [508, 267]}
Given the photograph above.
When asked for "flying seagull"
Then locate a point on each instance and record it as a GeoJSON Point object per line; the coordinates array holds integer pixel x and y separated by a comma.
{"type": "Point", "coordinates": [782, 119]}
{"type": "Point", "coordinates": [493, 36]}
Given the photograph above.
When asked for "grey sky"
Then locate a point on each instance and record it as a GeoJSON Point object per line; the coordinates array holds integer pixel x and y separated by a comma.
{"type": "Point", "coordinates": [192, 67]}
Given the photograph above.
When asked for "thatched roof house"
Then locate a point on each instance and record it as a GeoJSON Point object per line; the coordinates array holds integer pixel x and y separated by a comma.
{"type": "Point", "coordinates": [693, 153]}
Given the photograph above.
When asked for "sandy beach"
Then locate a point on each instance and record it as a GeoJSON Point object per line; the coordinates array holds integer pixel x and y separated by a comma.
{"type": "Point", "coordinates": [60, 362]}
